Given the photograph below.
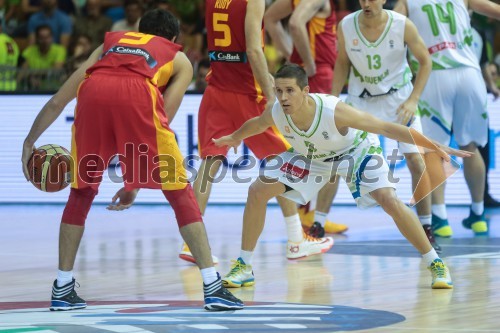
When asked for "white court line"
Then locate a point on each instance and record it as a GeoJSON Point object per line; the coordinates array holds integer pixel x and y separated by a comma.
{"type": "Point", "coordinates": [208, 327]}
{"type": "Point", "coordinates": [119, 328]}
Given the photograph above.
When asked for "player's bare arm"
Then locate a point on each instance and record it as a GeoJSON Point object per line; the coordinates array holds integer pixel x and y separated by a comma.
{"type": "Point", "coordinates": [250, 128]}
{"type": "Point", "coordinates": [347, 116]}
{"type": "Point", "coordinates": [253, 37]}
{"type": "Point", "coordinates": [55, 106]}
{"type": "Point", "coordinates": [342, 64]}
{"type": "Point", "coordinates": [484, 7]}
{"type": "Point", "coordinates": [406, 111]}
{"type": "Point", "coordinates": [177, 85]}
{"type": "Point", "coordinates": [272, 22]}
{"type": "Point", "coordinates": [401, 8]}
{"type": "Point", "coordinates": [302, 14]}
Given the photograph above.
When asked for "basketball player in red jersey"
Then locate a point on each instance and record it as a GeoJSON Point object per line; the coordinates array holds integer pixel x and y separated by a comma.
{"type": "Point", "coordinates": [124, 106]}
{"type": "Point", "coordinates": [239, 85]}
{"type": "Point", "coordinates": [313, 45]}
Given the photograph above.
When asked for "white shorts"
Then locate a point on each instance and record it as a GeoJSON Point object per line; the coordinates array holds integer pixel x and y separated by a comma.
{"type": "Point", "coordinates": [364, 170]}
{"type": "Point", "coordinates": [385, 108]}
{"type": "Point", "coordinates": [454, 100]}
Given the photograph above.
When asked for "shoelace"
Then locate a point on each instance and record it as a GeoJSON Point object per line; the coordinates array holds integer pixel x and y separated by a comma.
{"type": "Point", "coordinates": [439, 269]}
{"type": "Point", "coordinates": [236, 266]}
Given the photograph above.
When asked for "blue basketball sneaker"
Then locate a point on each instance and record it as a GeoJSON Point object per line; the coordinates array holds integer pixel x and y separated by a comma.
{"type": "Point", "coordinates": [441, 227]}
{"type": "Point", "coordinates": [477, 223]}
{"type": "Point", "coordinates": [218, 298]}
{"type": "Point", "coordinates": [65, 298]}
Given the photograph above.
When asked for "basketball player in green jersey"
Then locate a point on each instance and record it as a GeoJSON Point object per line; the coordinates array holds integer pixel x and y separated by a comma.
{"type": "Point", "coordinates": [328, 138]}
{"type": "Point", "coordinates": [447, 104]}
{"type": "Point", "coordinates": [372, 49]}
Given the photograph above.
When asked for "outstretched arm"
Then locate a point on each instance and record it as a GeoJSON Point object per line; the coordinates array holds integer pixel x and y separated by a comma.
{"type": "Point", "coordinates": [54, 107]}
{"type": "Point", "coordinates": [250, 128]}
{"type": "Point", "coordinates": [272, 22]}
{"type": "Point", "coordinates": [347, 116]}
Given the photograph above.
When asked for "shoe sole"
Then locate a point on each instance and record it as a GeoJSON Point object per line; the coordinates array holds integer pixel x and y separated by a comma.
{"type": "Point", "coordinates": [216, 307]}
{"type": "Point", "coordinates": [59, 308]}
{"type": "Point", "coordinates": [442, 285]}
{"type": "Point", "coordinates": [188, 258]}
{"type": "Point", "coordinates": [436, 234]}
{"type": "Point", "coordinates": [312, 254]}
{"type": "Point", "coordinates": [230, 284]}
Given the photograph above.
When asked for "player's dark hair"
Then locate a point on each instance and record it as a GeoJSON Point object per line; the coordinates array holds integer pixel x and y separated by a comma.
{"type": "Point", "coordinates": [161, 23]}
{"type": "Point", "coordinates": [293, 71]}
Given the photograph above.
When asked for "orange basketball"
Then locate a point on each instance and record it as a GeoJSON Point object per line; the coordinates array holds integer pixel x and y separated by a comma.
{"type": "Point", "coordinates": [49, 168]}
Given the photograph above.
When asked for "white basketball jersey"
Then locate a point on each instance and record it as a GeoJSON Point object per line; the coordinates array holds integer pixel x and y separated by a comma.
{"type": "Point", "coordinates": [445, 28]}
{"type": "Point", "coordinates": [377, 68]}
{"type": "Point", "coordinates": [322, 141]}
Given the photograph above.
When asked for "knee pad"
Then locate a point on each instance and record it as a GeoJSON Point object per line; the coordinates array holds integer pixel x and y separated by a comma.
{"type": "Point", "coordinates": [78, 206]}
{"type": "Point", "coordinates": [184, 204]}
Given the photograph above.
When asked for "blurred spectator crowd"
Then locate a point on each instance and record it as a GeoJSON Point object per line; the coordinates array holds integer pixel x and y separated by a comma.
{"type": "Point", "coordinates": [43, 41]}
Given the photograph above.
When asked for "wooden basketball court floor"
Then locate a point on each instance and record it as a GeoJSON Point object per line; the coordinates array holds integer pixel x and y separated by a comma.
{"type": "Point", "coordinates": [130, 275]}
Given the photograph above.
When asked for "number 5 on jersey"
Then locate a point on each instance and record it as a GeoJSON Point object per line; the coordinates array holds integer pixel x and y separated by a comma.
{"type": "Point", "coordinates": [219, 21]}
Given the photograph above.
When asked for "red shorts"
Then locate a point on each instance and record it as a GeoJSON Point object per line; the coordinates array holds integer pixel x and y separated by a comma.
{"type": "Point", "coordinates": [124, 115]}
{"type": "Point", "coordinates": [322, 81]}
{"type": "Point", "coordinates": [222, 112]}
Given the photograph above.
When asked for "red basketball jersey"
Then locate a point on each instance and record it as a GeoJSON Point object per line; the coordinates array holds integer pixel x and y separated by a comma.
{"type": "Point", "coordinates": [134, 52]}
{"type": "Point", "coordinates": [322, 38]}
{"type": "Point", "coordinates": [230, 69]}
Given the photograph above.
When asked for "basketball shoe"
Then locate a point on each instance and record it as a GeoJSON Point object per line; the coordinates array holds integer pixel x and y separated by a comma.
{"type": "Point", "coordinates": [308, 246]}
{"type": "Point", "coordinates": [307, 220]}
{"type": "Point", "coordinates": [441, 278]}
{"type": "Point", "coordinates": [441, 227]}
{"type": "Point", "coordinates": [240, 275]}
{"type": "Point", "coordinates": [218, 298]}
{"type": "Point", "coordinates": [188, 256]}
{"type": "Point", "coordinates": [477, 223]}
{"type": "Point", "coordinates": [430, 237]}
{"type": "Point", "coordinates": [65, 298]}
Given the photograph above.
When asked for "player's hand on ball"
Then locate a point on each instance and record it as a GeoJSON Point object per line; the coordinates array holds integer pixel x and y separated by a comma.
{"type": "Point", "coordinates": [28, 150]}
{"type": "Point", "coordinates": [227, 140]}
{"type": "Point", "coordinates": [125, 199]}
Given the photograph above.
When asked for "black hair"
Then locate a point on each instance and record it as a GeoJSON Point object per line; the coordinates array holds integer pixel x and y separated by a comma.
{"type": "Point", "coordinates": [161, 23]}
{"type": "Point", "coordinates": [293, 71]}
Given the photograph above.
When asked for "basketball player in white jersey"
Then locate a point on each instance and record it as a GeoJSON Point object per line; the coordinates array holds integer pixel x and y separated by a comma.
{"type": "Point", "coordinates": [454, 99]}
{"type": "Point", "coordinates": [372, 49]}
{"type": "Point", "coordinates": [328, 137]}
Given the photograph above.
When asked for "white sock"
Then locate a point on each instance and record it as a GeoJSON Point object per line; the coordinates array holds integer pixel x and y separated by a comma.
{"type": "Point", "coordinates": [477, 208]}
{"type": "Point", "coordinates": [440, 211]}
{"type": "Point", "coordinates": [430, 256]}
{"type": "Point", "coordinates": [425, 219]}
{"type": "Point", "coordinates": [247, 257]}
{"type": "Point", "coordinates": [64, 277]}
{"type": "Point", "coordinates": [294, 228]}
{"type": "Point", "coordinates": [320, 217]}
{"type": "Point", "coordinates": [209, 275]}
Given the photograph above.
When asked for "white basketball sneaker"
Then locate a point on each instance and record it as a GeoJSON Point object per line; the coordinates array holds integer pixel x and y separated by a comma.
{"type": "Point", "coordinates": [308, 246]}
{"type": "Point", "coordinates": [188, 256]}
